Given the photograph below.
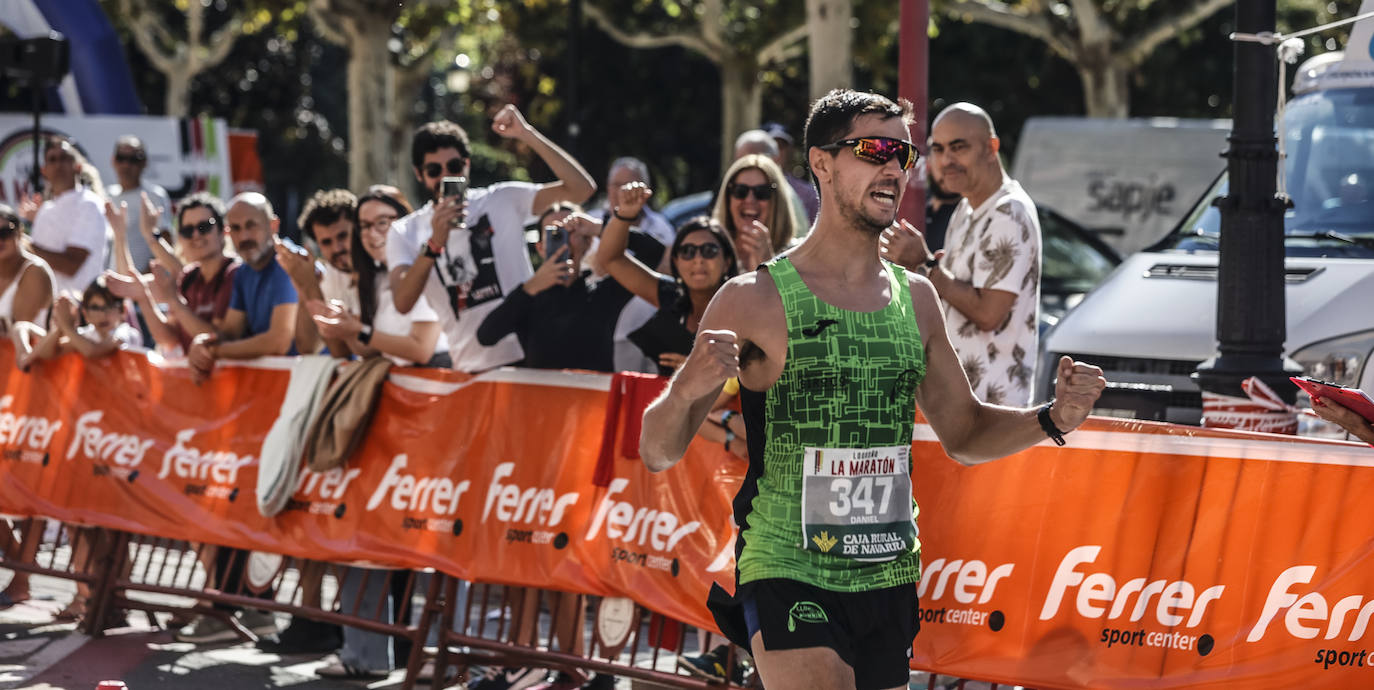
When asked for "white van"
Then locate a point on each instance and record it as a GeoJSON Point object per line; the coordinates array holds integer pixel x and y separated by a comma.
{"type": "Point", "coordinates": [1128, 181]}
{"type": "Point", "coordinates": [1154, 319]}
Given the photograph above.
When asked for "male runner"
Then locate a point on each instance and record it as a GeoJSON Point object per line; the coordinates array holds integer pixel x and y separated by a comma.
{"type": "Point", "coordinates": [833, 348]}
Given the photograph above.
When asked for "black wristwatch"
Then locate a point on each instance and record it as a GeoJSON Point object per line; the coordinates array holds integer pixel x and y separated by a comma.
{"type": "Point", "coordinates": [1048, 426]}
{"type": "Point", "coordinates": [365, 335]}
{"type": "Point", "coordinates": [932, 262]}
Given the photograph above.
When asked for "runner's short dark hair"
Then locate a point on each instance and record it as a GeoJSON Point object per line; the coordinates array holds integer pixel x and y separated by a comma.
{"type": "Point", "coordinates": [833, 115]}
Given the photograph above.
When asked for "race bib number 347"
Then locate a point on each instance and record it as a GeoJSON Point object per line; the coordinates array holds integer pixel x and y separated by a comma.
{"type": "Point", "coordinates": [856, 503]}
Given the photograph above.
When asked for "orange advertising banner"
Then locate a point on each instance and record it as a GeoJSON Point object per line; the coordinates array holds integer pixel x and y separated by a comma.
{"type": "Point", "coordinates": [1141, 555]}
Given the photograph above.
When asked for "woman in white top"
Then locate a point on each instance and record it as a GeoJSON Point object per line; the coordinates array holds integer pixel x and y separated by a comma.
{"type": "Point", "coordinates": [26, 288]}
{"type": "Point", "coordinates": [412, 339]}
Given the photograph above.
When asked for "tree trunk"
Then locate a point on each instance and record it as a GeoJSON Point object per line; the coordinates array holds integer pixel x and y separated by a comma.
{"type": "Point", "coordinates": [178, 97]}
{"type": "Point", "coordinates": [740, 101]}
{"type": "Point", "coordinates": [831, 42]}
{"type": "Point", "coordinates": [1106, 87]}
{"type": "Point", "coordinates": [369, 94]}
{"type": "Point", "coordinates": [407, 84]}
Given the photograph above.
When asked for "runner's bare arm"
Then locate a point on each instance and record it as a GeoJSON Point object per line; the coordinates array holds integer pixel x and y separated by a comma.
{"type": "Point", "coordinates": [672, 420]}
{"type": "Point", "coordinates": [974, 432]}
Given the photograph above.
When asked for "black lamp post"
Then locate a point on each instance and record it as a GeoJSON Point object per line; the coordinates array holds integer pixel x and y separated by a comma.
{"type": "Point", "coordinates": [1251, 319]}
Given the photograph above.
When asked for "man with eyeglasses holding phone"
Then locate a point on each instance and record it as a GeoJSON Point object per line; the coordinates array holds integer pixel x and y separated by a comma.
{"type": "Point", "coordinates": [989, 272]}
{"type": "Point", "coordinates": [834, 348]}
{"type": "Point", "coordinates": [129, 161]}
{"type": "Point", "coordinates": [465, 251]}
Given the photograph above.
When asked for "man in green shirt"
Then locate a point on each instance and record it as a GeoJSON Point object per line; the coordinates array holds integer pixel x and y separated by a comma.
{"type": "Point", "coordinates": [834, 348]}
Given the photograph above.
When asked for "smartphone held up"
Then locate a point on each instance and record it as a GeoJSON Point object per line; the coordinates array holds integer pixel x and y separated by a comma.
{"type": "Point", "coordinates": [555, 239]}
{"type": "Point", "coordinates": [454, 187]}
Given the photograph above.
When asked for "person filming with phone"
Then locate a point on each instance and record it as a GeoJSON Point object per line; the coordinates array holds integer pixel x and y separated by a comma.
{"type": "Point", "coordinates": [564, 316]}
{"type": "Point", "coordinates": [465, 249]}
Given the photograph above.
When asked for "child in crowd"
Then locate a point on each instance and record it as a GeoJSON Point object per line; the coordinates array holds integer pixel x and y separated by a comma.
{"type": "Point", "coordinates": [105, 330]}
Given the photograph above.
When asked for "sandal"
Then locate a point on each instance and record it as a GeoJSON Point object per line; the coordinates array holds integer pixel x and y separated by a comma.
{"type": "Point", "coordinates": [74, 611]}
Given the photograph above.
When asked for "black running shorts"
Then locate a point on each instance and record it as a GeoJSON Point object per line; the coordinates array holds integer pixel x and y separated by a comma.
{"type": "Point", "coordinates": [871, 631]}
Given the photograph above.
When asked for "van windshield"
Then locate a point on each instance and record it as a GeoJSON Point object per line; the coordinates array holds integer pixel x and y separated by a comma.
{"type": "Point", "coordinates": [1330, 178]}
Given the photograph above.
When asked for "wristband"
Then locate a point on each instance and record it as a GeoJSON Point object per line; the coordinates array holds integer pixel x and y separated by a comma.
{"type": "Point", "coordinates": [431, 251]}
{"type": "Point", "coordinates": [616, 212]}
{"type": "Point", "coordinates": [1047, 424]}
{"type": "Point", "coordinates": [725, 418]}
{"type": "Point", "coordinates": [932, 262]}
{"type": "Point", "coordinates": [729, 436]}
{"type": "Point", "coordinates": [365, 335]}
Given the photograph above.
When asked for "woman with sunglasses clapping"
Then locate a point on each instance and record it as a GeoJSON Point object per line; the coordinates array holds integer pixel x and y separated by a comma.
{"type": "Point", "coordinates": [703, 258]}
{"type": "Point", "coordinates": [752, 208]}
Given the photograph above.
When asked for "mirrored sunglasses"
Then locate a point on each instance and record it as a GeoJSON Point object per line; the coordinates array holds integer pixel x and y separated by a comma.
{"type": "Point", "coordinates": [879, 150]}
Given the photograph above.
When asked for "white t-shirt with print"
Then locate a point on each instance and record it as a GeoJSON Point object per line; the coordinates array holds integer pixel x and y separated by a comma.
{"type": "Point", "coordinates": [389, 319]}
{"type": "Point", "coordinates": [76, 218]}
{"type": "Point", "coordinates": [480, 265]}
{"type": "Point", "coordinates": [997, 247]}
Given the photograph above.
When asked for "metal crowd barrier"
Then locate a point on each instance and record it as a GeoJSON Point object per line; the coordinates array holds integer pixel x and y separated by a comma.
{"type": "Point", "coordinates": [150, 574]}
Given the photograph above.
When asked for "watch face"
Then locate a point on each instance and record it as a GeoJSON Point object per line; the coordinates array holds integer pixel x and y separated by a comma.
{"type": "Point", "coordinates": [615, 618]}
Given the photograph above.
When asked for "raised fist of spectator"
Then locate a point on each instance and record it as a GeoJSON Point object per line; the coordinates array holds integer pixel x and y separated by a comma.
{"type": "Point", "coordinates": [510, 124]}
{"type": "Point", "coordinates": [630, 199]}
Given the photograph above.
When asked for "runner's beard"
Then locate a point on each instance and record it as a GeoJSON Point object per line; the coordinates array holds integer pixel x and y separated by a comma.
{"type": "Point", "coordinates": [862, 220]}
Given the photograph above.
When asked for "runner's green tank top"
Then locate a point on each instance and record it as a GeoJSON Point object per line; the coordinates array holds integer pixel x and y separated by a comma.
{"type": "Point", "coordinates": [829, 443]}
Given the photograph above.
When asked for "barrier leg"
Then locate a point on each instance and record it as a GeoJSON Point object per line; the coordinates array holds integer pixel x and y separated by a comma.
{"type": "Point", "coordinates": [112, 557]}
{"type": "Point", "coordinates": [417, 648]}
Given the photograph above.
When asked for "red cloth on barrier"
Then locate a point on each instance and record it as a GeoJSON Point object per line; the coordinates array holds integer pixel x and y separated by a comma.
{"type": "Point", "coordinates": [664, 632]}
{"type": "Point", "coordinates": [631, 393]}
